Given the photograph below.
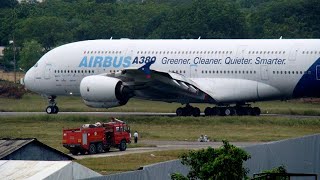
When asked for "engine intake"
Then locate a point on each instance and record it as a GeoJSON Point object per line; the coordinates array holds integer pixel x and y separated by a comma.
{"type": "Point", "coordinates": [104, 92]}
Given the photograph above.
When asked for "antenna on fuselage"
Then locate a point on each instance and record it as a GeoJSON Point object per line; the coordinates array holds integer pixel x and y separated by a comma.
{"type": "Point", "coordinates": [199, 37]}
{"type": "Point", "coordinates": [280, 37]}
{"type": "Point", "coordinates": [111, 38]}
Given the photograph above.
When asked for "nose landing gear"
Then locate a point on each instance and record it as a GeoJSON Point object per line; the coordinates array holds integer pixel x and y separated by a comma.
{"type": "Point", "coordinates": [52, 108]}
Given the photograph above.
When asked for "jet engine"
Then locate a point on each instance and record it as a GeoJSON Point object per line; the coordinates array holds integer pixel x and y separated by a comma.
{"type": "Point", "coordinates": [104, 92]}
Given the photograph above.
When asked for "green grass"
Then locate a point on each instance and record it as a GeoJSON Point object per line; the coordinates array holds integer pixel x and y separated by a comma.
{"type": "Point", "coordinates": [111, 165]}
{"type": "Point", "coordinates": [32, 102]}
{"type": "Point", "coordinates": [48, 128]}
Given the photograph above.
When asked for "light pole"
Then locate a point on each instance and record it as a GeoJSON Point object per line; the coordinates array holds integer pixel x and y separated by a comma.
{"type": "Point", "coordinates": [14, 59]}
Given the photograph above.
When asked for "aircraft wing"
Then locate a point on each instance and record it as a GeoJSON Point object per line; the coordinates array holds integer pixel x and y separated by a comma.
{"type": "Point", "coordinates": [159, 85]}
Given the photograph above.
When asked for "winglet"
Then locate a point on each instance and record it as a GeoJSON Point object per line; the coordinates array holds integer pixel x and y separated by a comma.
{"type": "Point", "coordinates": [146, 69]}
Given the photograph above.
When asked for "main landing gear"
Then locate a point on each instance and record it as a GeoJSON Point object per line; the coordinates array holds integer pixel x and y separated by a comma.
{"type": "Point", "coordinates": [52, 108]}
{"type": "Point", "coordinates": [188, 111]}
{"type": "Point", "coordinates": [240, 110]}
{"type": "Point", "coordinates": [230, 111]}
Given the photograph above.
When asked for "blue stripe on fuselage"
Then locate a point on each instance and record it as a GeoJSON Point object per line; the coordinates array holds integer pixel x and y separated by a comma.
{"type": "Point", "coordinates": [308, 85]}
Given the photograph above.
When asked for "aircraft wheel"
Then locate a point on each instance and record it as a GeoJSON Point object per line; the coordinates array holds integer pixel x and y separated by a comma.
{"type": "Point", "coordinates": [196, 112]}
{"type": "Point", "coordinates": [56, 109]}
{"type": "Point", "coordinates": [256, 111]}
{"type": "Point", "coordinates": [208, 111]}
{"type": "Point", "coordinates": [180, 111]}
{"type": "Point", "coordinates": [216, 111]}
{"type": "Point", "coordinates": [248, 111]}
{"type": "Point", "coordinates": [240, 111]}
{"type": "Point", "coordinates": [227, 111]}
{"type": "Point", "coordinates": [49, 110]}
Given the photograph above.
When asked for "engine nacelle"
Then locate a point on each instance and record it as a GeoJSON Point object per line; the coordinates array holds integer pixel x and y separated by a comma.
{"type": "Point", "coordinates": [104, 92]}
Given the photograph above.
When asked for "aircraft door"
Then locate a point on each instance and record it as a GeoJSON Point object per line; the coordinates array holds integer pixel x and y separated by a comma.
{"type": "Point", "coordinates": [193, 71]}
{"type": "Point", "coordinates": [241, 51]}
{"type": "Point", "coordinates": [318, 72]}
{"type": "Point", "coordinates": [47, 72]}
{"type": "Point", "coordinates": [264, 72]}
{"type": "Point", "coordinates": [293, 53]}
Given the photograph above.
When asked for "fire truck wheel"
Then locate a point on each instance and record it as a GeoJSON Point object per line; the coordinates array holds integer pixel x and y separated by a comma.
{"type": "Point", "coordinates": [92, 149]}
{"type": "Point", "coordinates": [74, 152]}
{"type": "Point", "coordinates": [123, 145]}
{"type": "Point", "coordinates": [100, 148]}
{"type": "Point", "coordinates": [82, 152]}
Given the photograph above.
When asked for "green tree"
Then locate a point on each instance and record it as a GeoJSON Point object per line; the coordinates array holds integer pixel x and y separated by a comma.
{"type": "Point", "coordinates": [49, 31]}
{"type": "Point", "coordinates": [8, 58]}
{"type": "Point", "coordinates": [30, 54]}
{"type": "Point", "coordinates": [205, 18]}
{"type": "Point", "coordinates": [8, 3]}
{"type": "Point", "coordinates": [208, 164]}
{"type": "Point", "coordinates": [287, 18]}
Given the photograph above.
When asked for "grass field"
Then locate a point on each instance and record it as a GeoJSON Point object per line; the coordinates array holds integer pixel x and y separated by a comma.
{"type": "Point", "coordinates": [33, 102]}
{"type": "Point", "coordinates": [48, 129]}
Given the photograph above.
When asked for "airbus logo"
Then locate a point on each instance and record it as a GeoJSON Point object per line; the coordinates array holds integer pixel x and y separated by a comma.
{"type": "Point", "coordinates": [105, 61]}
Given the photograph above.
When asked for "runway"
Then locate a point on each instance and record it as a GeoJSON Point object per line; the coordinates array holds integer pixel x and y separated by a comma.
{"type": "Point", "coordinates": [117, 114]}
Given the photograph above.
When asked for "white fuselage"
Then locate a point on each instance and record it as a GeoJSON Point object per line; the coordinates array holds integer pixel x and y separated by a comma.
{"type": "Point", "coordinates": [229, 71]}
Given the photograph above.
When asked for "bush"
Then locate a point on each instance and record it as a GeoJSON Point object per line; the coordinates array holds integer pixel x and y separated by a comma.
{"type": "Point", "coordinates": [11, 90]}
{"type": "Point", "coordinates": [222, 163]}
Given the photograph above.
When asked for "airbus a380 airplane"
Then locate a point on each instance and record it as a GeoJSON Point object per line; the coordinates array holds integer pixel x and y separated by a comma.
{"type": "Point", "coordinates": [226, 73]}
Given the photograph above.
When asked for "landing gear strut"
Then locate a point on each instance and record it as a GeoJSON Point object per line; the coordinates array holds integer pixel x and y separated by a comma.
{"type": "Point", "coordinates": [188, 111]}
{"type": "Point", "coordinates": [52, 108]}
{"type": "Point", "coordinates": [230, 111]}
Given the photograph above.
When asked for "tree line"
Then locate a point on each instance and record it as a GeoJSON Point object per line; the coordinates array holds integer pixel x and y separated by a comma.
{"type": "Point", "coordinates": [40, 27]}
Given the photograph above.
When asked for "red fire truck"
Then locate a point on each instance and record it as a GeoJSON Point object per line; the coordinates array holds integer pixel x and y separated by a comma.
{"type": "Point", "coordinates": [97, 138]}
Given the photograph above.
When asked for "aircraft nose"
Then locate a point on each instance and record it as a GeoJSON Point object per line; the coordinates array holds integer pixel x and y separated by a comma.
{"type": "Point", "coordinates": [28, 79]}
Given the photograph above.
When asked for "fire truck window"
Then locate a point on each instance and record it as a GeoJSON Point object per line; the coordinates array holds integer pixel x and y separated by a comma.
{"type": "Point", "coordinates": [117, 129]}
{"type": "Point", "coordinates": [121, 129]}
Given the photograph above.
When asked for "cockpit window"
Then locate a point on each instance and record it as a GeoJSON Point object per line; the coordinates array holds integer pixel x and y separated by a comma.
{"type": "Point", "coordinates": [36, 65]}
